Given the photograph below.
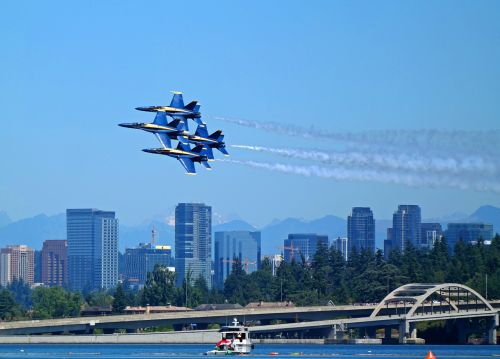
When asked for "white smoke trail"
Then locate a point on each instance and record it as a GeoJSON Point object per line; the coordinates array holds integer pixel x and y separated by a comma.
{"type": "Point", "coordinates": [485, 143]}
{"type": "Point", "coordinates": [392, 161]}
{"type": "Point", "coordinates": [408, 179]}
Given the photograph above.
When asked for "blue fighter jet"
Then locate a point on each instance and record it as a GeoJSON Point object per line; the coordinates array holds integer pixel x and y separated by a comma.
{"type": "Point", "coordinates": [215, 140]}
{"type": "Point", "coordinates": [186, 156]}
{"type": "Point", "coordinates": [161, 128]}
{"type": "Point", "coordinates": [177, 110]}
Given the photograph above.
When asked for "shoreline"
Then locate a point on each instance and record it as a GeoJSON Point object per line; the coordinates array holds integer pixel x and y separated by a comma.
{"type": "Point", "coordinates": [193, 337]}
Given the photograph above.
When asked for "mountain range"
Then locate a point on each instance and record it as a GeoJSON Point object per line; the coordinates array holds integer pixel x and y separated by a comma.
{"type": "Point", "coordinates": [33, 231]}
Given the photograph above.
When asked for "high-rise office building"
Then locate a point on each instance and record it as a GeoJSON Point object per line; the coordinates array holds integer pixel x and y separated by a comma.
{"type": "Point", "coordinates": [193, 240]}
{"type": "Point", "coordinates": [38, 266]}
{"type": "Point", "coordinates": [243, 245]}
{"type": "Point", "coordinates": [468, 232]}
{"type": "Point", "coordinates": [388, 244]}
{"type": "Point", "coordinates": [341, 244]}
{"type": "Point", "coordinates": [406, 226]}
{"type": "Point", "coordinates": [361, 229]}
{"type": "Point", "coordinates": [5, 268]}
{"type": "Point", "coordinates": [300, 245]}
{"type": "Point", "coordinates": [143, 259]}
{"type": "Point", "coordinates": [17, 262]}
{"type": "Point", "coordinates": [429, 234]}
{"type": "Point", "coordinates": [92, 248]}
{"type": "Point", "coordinates": [387, 248]}
{"type": "Point", "coordinates": [55, 262]}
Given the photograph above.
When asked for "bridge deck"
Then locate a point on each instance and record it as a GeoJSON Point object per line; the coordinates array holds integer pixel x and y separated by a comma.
{"type": "Point", "coordinates": [318, 315]}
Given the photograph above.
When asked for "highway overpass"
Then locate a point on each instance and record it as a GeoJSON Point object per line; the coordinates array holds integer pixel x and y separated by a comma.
{"type": "Point", "coordinates": [402, 308]}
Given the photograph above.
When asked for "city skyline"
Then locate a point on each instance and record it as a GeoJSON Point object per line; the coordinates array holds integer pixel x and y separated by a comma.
{"type": "Point", "coordinates": [399, 106]}
{"type": "Point", "coordinates": [91, 251]}
{"type": "Point", "coordinates": [33, 231]}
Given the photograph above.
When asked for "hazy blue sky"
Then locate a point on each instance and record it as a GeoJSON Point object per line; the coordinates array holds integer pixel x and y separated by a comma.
{"type": "Point", "coordinates": [71, 71]}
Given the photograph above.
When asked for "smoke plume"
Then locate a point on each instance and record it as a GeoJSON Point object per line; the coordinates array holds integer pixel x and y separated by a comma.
{"type": "Point", "coordinates": [345, 174]}
{"type": "Point", "coordinates": [484, 143]}
{"type": "Point", "coordinates": [389, 161]}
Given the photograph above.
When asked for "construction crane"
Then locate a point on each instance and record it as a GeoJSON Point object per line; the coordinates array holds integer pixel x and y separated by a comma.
{"type": "Point", "coordinates": [246, 263]}
{"type": "Point", "coordinates": [292, 250]}
{"type": "Point", "coordinates": [153, 236]}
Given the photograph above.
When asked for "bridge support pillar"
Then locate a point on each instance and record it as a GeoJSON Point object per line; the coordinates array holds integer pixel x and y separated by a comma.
{"type": "Point", "coordinates": [463, 330]}
{"type": "Point", "coordinates": [331, 333]}
{"type": "Point", "coordinates": [388, 333]}
{"type": "Point", "coordinates": [413, 330]}
{"type": "Point", "coordinates": [492, 330]}
{"type": "Point", "coordinates": [371, 332]}
{"type": "Point", "coordinates": [404, 329]}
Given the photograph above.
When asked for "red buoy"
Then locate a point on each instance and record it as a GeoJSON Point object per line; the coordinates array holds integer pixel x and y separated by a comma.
{"type": "Point", "coordinates": [430, 355]}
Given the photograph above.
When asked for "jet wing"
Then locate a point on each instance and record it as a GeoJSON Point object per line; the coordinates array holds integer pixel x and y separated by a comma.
{"type": "Point", "coordinates": [188, 164]}
{"type": "Point", "coordinates": [164, 139]}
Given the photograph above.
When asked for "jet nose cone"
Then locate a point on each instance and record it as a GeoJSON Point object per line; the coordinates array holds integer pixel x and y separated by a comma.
{"type": "Point", "coordinates": [148, 108]}
{"type": "Point", "coordinates": [127, 125]}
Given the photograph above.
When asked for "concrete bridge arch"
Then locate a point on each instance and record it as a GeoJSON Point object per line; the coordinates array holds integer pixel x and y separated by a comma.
{"type": "Point", "coordinates": [457, 296]}
{"type": "Point", "coordinates": [425, 301]}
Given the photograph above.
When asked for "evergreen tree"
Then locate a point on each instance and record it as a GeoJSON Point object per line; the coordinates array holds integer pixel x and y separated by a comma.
{"type": "Point", "coordinates": [22, 293]}
{"type": "Point", "coordinates": [337, 264]}
{"type": "Point", "coordinates": [234, 285]}
{"type": "Point", "coordinates": [321, 272]}
{"type": "Point", "coordinates": [8, 307]}
{"type": "Point", "coordinates": [120, 299]}
{"type": "Point", "coordinates": [263, 281]}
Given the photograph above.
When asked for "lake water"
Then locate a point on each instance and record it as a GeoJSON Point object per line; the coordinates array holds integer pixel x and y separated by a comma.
{"type": "Point", "coordinates": [260, 351]}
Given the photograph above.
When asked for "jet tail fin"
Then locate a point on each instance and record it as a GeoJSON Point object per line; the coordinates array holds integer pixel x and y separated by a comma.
{"type": "Point", "coordinates": [199, 121]}
{"type": "Point", "coordinates": [198, 149]}
{"type": "Point", "coordinates": [217, 135]}
{"type": "Point", "coordinates": [160, 119]}
{"type": "Point", "coordinates": [192, 105]}
{"type": "Point", "coordinates": [201, 131]}
{"type": "Point", "coordinates": [183, 120]}
{"type": "Point", "coordinates": [178, 124]}
{"type": "Point", "coordinates": [183, 147]}
{"type": "Point", "coordinates": [177, 100]}
{"type": "Point", "coordinates": [204, 151]}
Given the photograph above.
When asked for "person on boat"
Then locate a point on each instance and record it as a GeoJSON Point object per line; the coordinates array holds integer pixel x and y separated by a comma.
{"type": "Point", "coordinates": [221, 344]}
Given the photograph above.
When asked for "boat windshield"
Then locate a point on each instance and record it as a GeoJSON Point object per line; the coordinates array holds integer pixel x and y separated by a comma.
{"type": "Point", "coordinates": [237, 336]}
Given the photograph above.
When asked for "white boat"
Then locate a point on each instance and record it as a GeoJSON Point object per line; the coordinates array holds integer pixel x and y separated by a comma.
{"type": "Point", "coordinates": [235, 340]}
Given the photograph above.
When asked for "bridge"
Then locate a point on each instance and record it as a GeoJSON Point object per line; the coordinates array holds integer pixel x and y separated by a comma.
{"type": "Point", "coordinates": [400, 309]}
{"type": "Point", "coordinates": [405, 307]}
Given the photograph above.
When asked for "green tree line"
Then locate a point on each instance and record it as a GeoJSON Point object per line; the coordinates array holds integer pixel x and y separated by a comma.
{"type": "Point", "coordinates": [364, 278]}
